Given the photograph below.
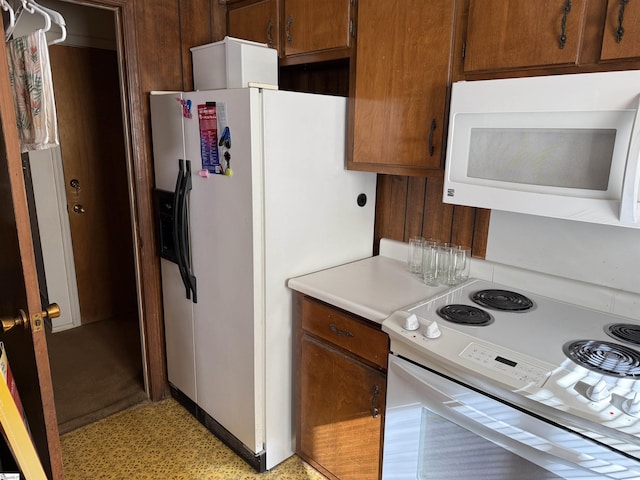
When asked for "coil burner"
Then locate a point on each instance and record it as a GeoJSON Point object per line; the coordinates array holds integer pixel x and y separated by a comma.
{"type": "Point", "coordinates": [465, 315]}
{"type": "Point", "coordinates": [503, 300]}
{"type": "Point", "coordinates": [604, 357]}
{"type": "Point", "coordinates": [627, 332]}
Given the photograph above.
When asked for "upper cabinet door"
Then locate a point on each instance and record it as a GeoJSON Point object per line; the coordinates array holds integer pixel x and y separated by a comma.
{"type": "Point", "coordinates": [313, 26]}
{"type": "Point", "coordinates": [621, 36]}
{"type": "Point", "coordinates": [258, 22]}
{"type": "Point", "coordinates": [514, 34]}
{"type": "Point", "coordinates": [399, 86]}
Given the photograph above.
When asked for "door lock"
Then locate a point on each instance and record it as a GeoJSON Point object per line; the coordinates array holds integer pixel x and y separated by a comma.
{"type": "Point", "coordinates": [21, 319]}
{"type": "Point", "coordinates": [78, 208]}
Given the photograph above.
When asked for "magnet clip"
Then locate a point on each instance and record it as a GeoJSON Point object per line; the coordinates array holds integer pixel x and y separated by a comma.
{"type": "Point", "coordinates": [225, 138]}
{"type": "Point", "coordinates": [186, 107]}
{"type": "Point", "coordinates": [204, 173]}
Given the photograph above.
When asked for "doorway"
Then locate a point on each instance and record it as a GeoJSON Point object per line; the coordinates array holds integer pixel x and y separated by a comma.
{"type": "Point", "coordinates": [86, 227]}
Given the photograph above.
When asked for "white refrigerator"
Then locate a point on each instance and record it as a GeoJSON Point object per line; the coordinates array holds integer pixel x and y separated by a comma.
{"type": "Point", "coordinates": [264, 196]}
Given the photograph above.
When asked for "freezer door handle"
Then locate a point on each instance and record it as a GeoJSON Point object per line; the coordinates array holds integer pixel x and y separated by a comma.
{"type": "Point", "coordinates": [184, 233]}
{"type": "Point", "coordinates": [178, 226]}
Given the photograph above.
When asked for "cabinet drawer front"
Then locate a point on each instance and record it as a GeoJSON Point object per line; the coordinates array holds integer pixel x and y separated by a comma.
{"type": "Point", "coordinates": [345, 331]}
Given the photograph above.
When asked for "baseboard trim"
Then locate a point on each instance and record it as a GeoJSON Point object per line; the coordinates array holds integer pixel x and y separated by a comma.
{"type": "Point", "coordinates": [258, 461]}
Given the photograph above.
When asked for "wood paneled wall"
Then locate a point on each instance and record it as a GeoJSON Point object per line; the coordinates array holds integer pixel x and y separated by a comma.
{"type": "Point", "coordinates": [412, 206]}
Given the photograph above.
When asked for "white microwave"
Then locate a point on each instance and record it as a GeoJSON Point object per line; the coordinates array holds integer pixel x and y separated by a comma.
{"type": "Point", "coordinates": [564, 146]}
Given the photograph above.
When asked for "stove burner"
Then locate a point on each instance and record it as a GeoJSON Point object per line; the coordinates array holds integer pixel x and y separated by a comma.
{"type": "Point", "coordinates": [465, 315]}
{"type": "Point", "coordinates": [627, 332]}
{"type": "Point", "coordinates": [604, 357]}
{"type": "Point", "coordinates": [502, 300]}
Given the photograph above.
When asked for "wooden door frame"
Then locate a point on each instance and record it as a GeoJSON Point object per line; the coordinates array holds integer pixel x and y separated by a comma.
{"type": "Point", "coordinates": [141, 180]}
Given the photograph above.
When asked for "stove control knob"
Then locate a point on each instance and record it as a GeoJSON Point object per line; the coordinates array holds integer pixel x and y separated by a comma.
{"type": "Point", "coordinates": [631, 405]}
{"type": "Point", "coordinates": [432, 330]}
{"type": "Point", "coordinates": [411, 322]}
{"type": "Point", "coordinates": [598, 391]}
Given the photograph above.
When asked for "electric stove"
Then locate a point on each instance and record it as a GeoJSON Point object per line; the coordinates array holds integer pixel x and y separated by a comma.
{"type": "Point", "coordinates": [571, 365]}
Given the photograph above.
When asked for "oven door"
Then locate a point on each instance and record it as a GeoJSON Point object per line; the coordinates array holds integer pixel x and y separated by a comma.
{"type": "Point", "coordinates": [436, 428]}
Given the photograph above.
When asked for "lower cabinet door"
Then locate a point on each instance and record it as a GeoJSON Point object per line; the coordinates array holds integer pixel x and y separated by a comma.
{"type": "Point", "coordinates": [341, 407]}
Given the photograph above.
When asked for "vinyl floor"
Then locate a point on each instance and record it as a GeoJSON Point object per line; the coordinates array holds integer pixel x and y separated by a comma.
{"type": "Point", "coordinates": [161, 441]}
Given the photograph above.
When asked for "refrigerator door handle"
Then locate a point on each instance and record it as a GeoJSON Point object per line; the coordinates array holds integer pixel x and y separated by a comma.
{"type": "Point", "coordinates": [177, 226]}
{"type": "Point", "coordinates": [184, 233]}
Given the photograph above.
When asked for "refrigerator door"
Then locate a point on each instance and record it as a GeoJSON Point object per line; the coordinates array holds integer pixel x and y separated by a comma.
{"type": "Point", "coordinates": [223, 213]}
{"type": "Point", "coordinates": [312, 221]}
{"type": "Point", "coordinates": [168, 148]}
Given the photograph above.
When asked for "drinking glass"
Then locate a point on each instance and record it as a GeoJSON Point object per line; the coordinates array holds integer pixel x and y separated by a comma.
{"type": "Point", "coordinates": [446, 270]}
{"type": "Point", "coordinates": [430, 262]}
{"type": "Point", "coordinates": [414, 260]}
{"type": "Point", "coordinates": [462, 263]}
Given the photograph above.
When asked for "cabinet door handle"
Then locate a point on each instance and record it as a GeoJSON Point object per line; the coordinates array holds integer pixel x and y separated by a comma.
{"type": "Point", "coordinates": [620, 29]}
{"type": "Point", "coordinates": [337, 331]}
{"type": "Point", "coordinates": [374, 400]}
{"type": "Point", "coordinates": [432, 148]}
{"type": "Point", "coordinates": [563, 24]}
{"type": "Point", "coordinates": [269, 33]}
{"type": "Point", "coordinates": [287, 29]}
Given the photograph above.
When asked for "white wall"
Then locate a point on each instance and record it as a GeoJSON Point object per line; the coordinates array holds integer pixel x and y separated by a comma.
{"type": "Point", "coordinates": [601, 262]}
{"type": "Point", "coordinates": [599, 254]}
{"type": "Point", "coordinates": [55, 235]}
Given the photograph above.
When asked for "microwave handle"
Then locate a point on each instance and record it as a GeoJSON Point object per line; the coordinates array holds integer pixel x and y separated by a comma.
{"type": "Point", "coordinates": [629, 197]}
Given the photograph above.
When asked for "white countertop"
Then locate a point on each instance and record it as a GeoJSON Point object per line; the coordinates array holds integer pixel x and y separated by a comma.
{"type": "Point", "coordinates": [372, 288]}
{"type": "Point", "coordinates": [375, 287]}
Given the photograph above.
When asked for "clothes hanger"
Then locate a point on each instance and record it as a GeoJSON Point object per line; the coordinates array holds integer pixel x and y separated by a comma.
{"type": "Point", "coordinates": [33, 7]}
{"type": "Point", "coordinates": [56, 18]}
{"type": "Point", "coordinates": [12, 16]}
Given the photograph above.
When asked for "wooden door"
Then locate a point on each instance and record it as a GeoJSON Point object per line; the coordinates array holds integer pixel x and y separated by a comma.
{"type": "Point", "coordinates": [515, 34]}
{"type": "Point", "coordinates": [398, 87]}
{"type": "Point", "coordinates": [26, 349]}
{"type": "Point", "coordinates": [621, 35]}
{"type": "Point", "coordinates": [86, 87]}
{"type": "Point", "coordinates": [315, 26]}
{"type": "Point", "coordinates": [257, 21]}
{"type": "Point", "coordinates": [338, 431]}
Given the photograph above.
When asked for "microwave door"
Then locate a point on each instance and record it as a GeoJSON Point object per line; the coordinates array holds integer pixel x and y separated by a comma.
{"type": "Point", "coordinates": [629, 196]}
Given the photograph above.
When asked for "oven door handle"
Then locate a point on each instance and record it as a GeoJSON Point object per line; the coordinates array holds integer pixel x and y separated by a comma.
{"type": "Point", "coordinates": [452, 401]}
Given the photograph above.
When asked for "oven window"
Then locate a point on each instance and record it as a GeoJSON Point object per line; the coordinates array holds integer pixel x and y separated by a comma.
{"type": "Point", "coordinates": [449, 451]}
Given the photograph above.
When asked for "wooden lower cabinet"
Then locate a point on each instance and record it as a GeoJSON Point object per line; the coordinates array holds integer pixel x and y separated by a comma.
{"type": "Point", "coordinates": [340, 392]}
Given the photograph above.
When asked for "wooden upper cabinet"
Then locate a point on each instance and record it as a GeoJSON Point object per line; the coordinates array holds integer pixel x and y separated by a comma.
{"type": "Point", "coordinates": [303, 31]}
{"type": "Point", "coordinates": [514, 34]}
{"type": "Point", "coordinates": [399, 86]}
{"type": "Point", "coordinates": [257, 21]}
{"type": "Point", "coordinates": [314, 26]}
{"type": "Point", "coordinates": [621, 35]}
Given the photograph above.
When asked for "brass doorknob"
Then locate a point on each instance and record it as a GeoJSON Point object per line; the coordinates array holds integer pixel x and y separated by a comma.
{"type": "Point", "coordinates": [50, 311]}
{"type": "Point", "coordinates": [20, 319]}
